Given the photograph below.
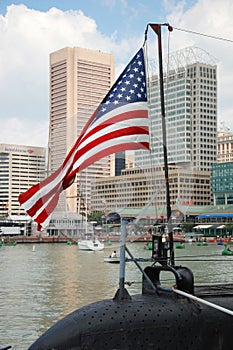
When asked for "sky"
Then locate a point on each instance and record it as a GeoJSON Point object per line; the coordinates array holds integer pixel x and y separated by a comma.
{"type": "Point", "coordinates": [31, 29]}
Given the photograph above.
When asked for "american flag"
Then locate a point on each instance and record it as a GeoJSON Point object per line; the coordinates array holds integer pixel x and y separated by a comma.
{"type": "Point", "coordinates": [119, 123]}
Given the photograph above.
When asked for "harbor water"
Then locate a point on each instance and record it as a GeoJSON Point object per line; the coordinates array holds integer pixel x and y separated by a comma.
{"type": "Point", "coordinates": [42, 283]}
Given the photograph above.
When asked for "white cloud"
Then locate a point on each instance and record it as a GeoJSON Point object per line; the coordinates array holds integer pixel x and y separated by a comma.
{"type": "Point", "coordinates": [213, 18]}
{"type": "Point", "coordinates": [24, 132]}
{"type": "Point", "coordinates": [27, 38]}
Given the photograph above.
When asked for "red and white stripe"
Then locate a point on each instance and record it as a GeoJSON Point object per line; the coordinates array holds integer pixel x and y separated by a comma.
{"type": "Point", "coordinates": [124, 128]}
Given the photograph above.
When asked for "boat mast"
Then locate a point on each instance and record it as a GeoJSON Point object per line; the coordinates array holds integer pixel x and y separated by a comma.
{"type": "Point", "coordinates": [157, 29]}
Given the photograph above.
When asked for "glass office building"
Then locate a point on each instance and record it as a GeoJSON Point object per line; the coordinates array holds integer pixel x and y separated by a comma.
{"type": "Point", "coordinates": [221, 183]}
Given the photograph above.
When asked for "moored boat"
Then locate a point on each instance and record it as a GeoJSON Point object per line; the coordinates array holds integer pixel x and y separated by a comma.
{"type": "Point", "coordinates": [8, 243]}
{"type": "Point", "coordinates": [90, 244]}
{"type": "Point", "coordinates": [112, 260]}
{"type": "Point", "coordinates": [202, 243]}
{"type": "Point", "coordinates": [227, 251]}
{"type": "Point", "coordinates": [71, 242]}
{"type": "Point", "coordinates": [180, 245]}
{"type": "Point", "coordinates": [148, 245]}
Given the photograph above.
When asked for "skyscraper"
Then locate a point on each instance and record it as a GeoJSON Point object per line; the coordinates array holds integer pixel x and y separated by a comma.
{"type": "Point", "coordinates": [190, 87]}
{"type": "Point", "coordinates": [79, 79]}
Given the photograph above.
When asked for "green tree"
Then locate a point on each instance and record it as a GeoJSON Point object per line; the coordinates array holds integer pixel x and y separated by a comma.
{"type": "Point", "coordinates": [96, 216]}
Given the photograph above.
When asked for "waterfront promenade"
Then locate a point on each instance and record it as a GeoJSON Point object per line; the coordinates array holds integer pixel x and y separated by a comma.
{"type": "Point", "coordinates": [63, 239]}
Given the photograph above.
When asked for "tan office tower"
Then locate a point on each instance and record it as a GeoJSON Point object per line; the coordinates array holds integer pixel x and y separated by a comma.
{"type": "Point", "coordinates": [79, 80]}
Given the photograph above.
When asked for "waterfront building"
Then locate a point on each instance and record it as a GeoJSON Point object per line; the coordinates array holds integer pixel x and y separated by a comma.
{"type": "Point", "coordinates": [70, 225]}
{"type": "Point", "coordinates": [79, 80]}
{"type": "Point", "coordinates": [136, 187]}
{"type": "Point", "coordinates": [222, 172]}
{"type": "Point", "coordinates": [213, 220]}
{"type": "Point", "coordinates": [20, 168]}
{"type": "Point", "coordinates": [225, 146]}
{"type": "Point", "coordinates": [221, 183]}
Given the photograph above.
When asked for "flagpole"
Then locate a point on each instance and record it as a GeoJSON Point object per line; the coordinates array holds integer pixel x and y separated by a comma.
{"type": "Point", "coordinates": [157, 30]}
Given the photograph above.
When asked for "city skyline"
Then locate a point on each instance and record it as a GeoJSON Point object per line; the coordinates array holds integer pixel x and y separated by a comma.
{"type": "Point", "coordinates": [31, 30]}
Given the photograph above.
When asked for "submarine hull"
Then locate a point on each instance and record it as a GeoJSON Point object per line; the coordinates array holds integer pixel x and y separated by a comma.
{"type": "Point", "coordinates": [164, 322]}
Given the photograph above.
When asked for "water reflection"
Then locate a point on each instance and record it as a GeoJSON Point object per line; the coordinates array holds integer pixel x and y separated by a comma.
{"type": "Point", "coordinates": [40, 287]}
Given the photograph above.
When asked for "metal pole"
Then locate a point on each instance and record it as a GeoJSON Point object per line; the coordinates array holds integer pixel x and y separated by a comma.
{"type": "Point", "coordinates": [122, 259]}
{"type": "Point", "coordinates": [157, 29]}
{"type": "Point", "coordinates": [122, 294]}
{"type": "Point", "coordinates": [206, 302]}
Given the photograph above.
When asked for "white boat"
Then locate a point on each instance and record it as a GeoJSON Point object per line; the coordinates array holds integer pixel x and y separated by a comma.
{"type": "Point", "coordinates": [112, 260]}
{"type": "Point", "coordinates": [90, 244]}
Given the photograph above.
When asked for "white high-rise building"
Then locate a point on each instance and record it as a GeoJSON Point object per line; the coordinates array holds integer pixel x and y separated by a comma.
{"type": "Point", "coordinates": [20, 168]}
{"type": "Point", "coordinates": [79, 80]}
{"type": "Point", "coordinates": [190, 87]}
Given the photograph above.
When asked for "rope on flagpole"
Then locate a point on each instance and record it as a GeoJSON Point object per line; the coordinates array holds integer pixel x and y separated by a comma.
{"type": "Point", "coordinates": [193, 297]}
